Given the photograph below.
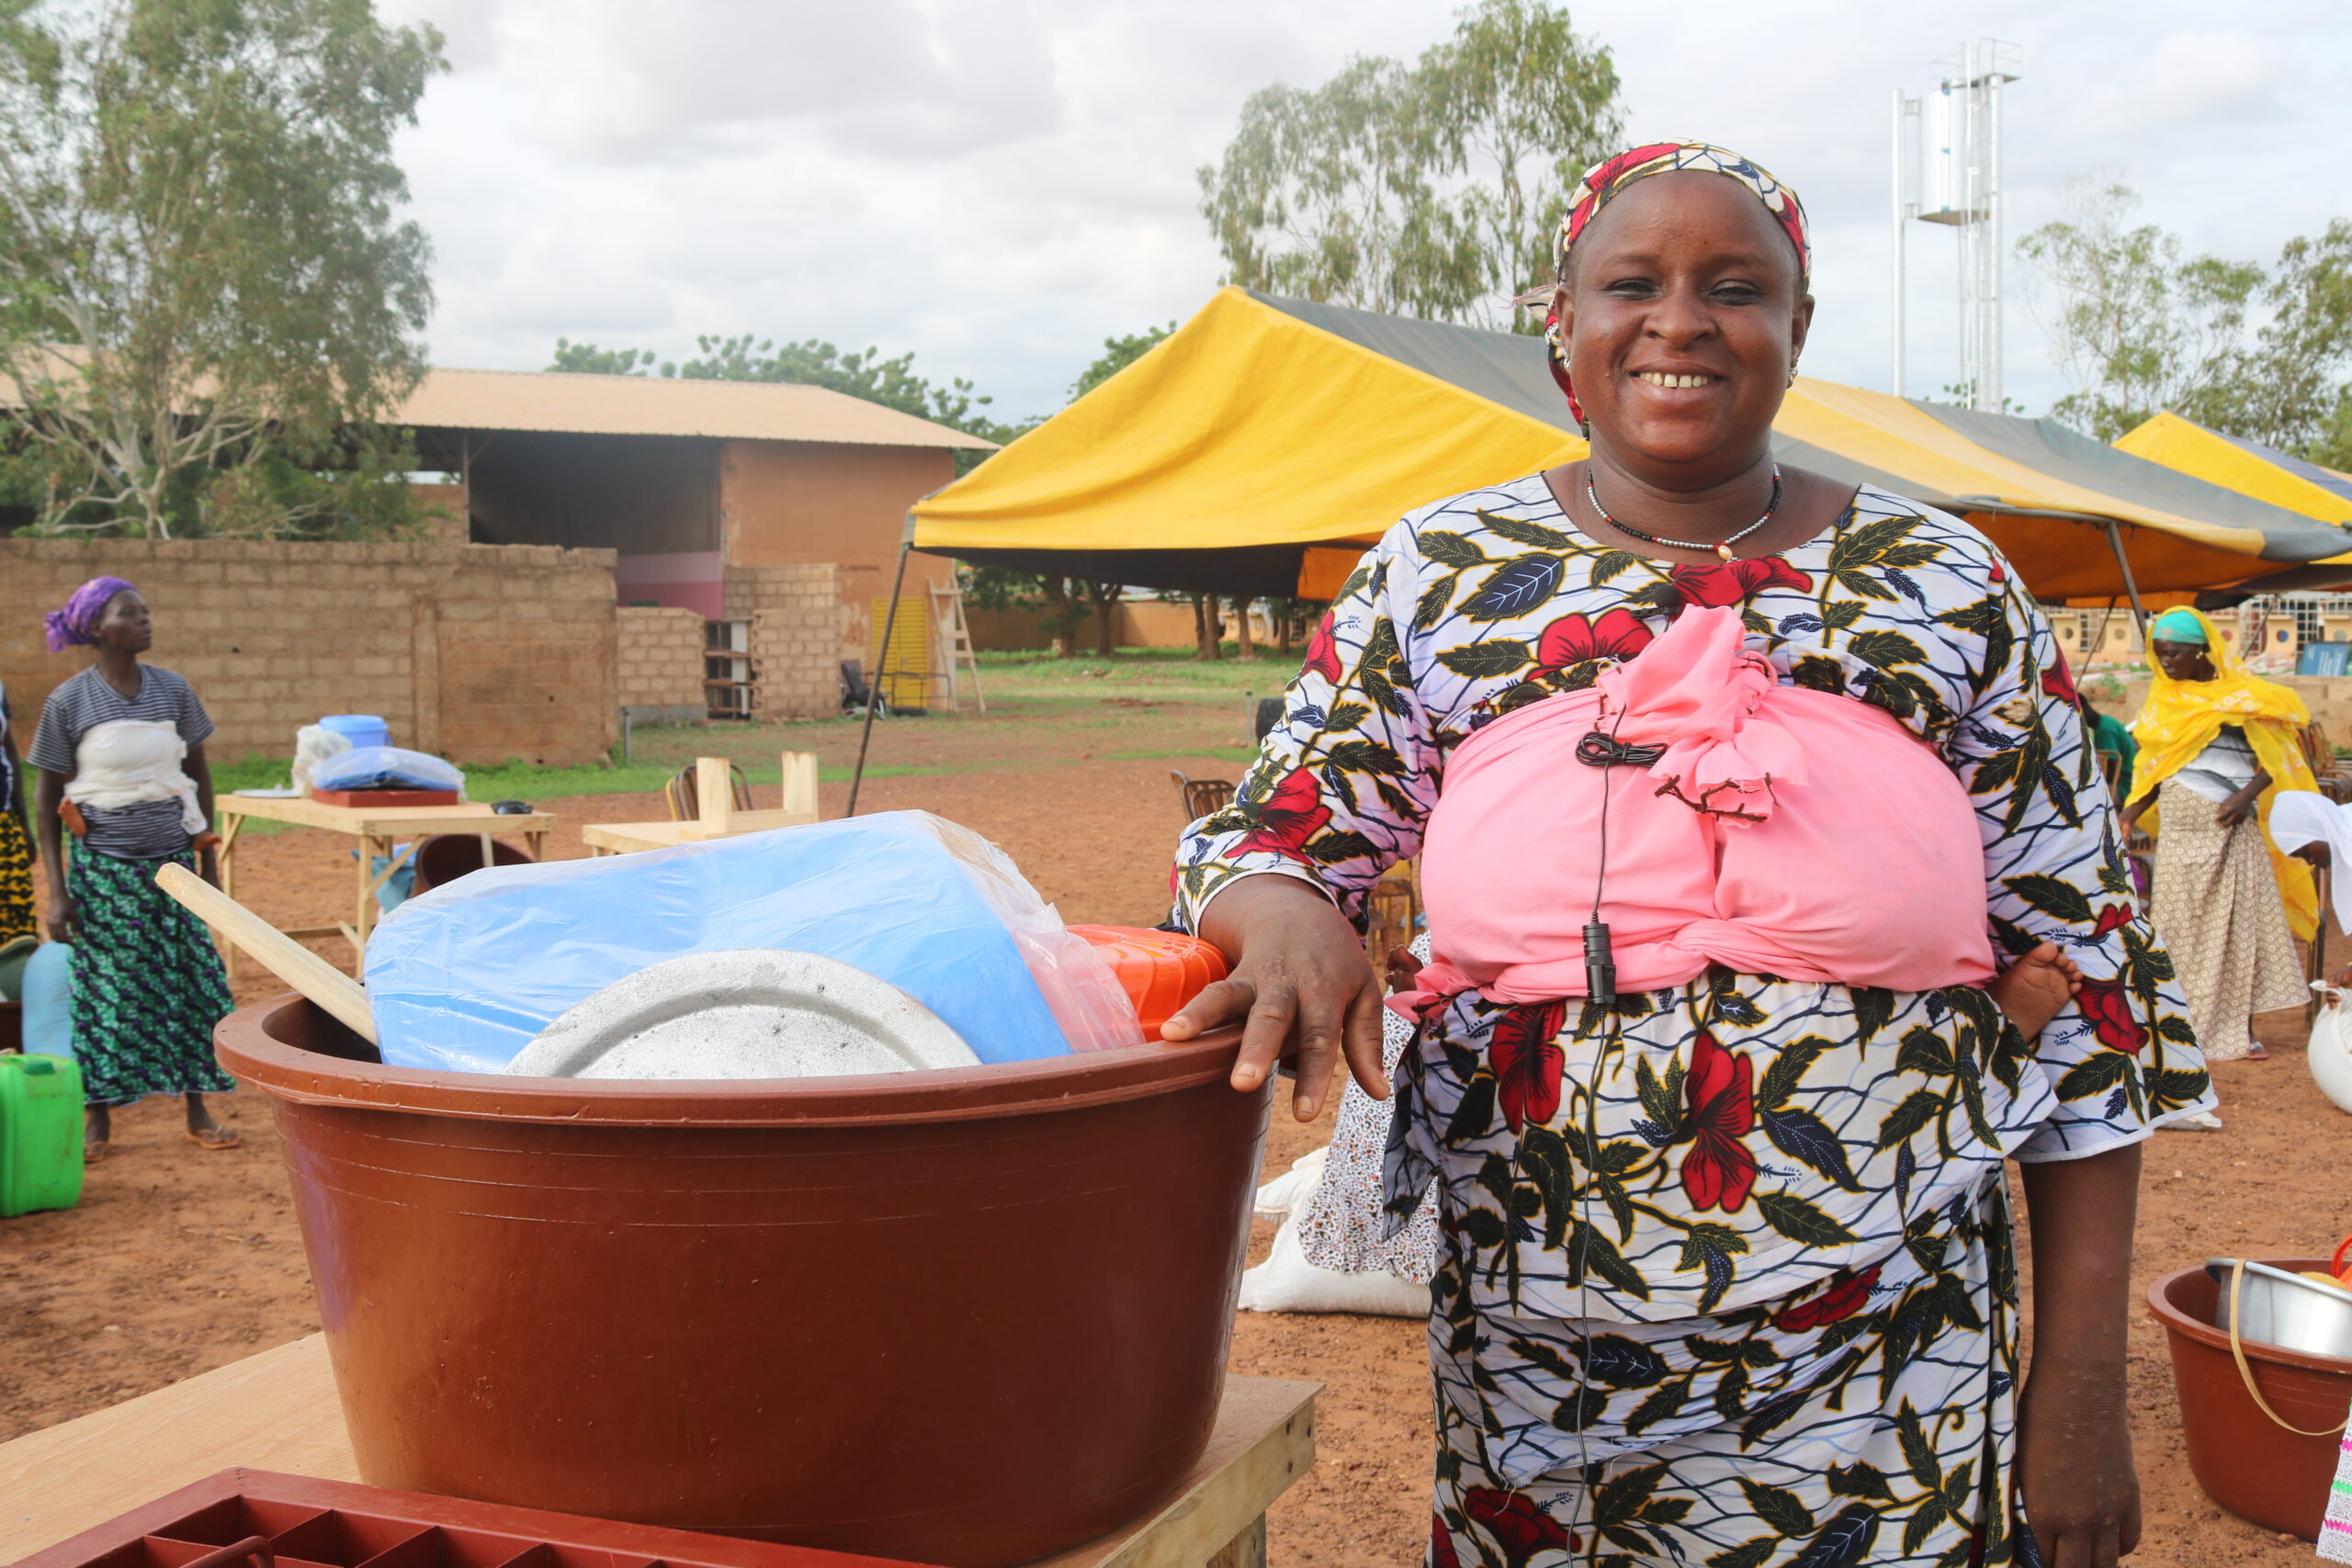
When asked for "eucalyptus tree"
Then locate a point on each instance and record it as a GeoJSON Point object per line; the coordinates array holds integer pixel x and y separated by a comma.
{"type": "Point", "coordinates": [210, 300]}
{"type": "Point", "coordinates": [1434, 189]}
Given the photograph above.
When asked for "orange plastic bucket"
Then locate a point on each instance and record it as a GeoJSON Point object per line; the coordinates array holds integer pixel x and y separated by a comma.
{"type": "Point", "coordinates": [2247, 1462]}
{"type": "Point", "coordinates": [1161, 970]}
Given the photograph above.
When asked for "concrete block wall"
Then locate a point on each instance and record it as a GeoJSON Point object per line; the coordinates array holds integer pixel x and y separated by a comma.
{"type": "Point", "coordinates": [660, 661]}
{"type": "Point", "coordinates": [476, 652]}
{"type": "Point", "coordinates": [800, 633]}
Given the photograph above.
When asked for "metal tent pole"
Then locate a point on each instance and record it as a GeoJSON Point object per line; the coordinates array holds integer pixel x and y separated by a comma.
{"type": "Point", "coordinates": [881, 663]}
{"type": "Point", "coordinates": [1903, 107]}
{"type": "Point", "coordinates": [2115, 543]}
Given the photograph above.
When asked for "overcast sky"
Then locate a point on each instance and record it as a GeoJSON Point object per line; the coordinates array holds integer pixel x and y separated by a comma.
{"type": "Point", "coordinates": [998, 184]}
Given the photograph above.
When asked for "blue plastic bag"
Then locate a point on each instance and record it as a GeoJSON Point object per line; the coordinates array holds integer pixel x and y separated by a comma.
{"type": "Point", "coordinates": [48, 1001]}
{"type": "Point", "coordinates": [385, 767]}
{"type": "Point", "coordinates": [465, 975]}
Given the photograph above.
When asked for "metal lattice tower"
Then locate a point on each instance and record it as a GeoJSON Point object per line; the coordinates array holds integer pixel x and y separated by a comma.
{"type": "Point", "coordinates": [1948, 170]}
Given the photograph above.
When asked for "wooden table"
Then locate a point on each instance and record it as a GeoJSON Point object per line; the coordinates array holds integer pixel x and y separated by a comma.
{"type": "Point", "coordinates": [377, 829]}
{"type": "Point", "coordinates": [278, 1410]}
{"type": "Point", "coordinates": [628, 838]}
{"type": "Point", "coordinates": [718, 815]}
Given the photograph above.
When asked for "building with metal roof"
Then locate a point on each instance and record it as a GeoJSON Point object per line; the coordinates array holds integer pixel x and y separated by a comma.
{"type": "Point", "coordinates": [686, 479]}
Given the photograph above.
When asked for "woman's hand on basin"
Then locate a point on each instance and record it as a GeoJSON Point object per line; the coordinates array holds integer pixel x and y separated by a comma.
{"type": "Point", "coordinates": [1301, 986]}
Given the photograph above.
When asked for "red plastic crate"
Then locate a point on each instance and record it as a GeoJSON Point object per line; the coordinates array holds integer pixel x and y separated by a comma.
{"type": "Point", "coordinates": [257, 1517]}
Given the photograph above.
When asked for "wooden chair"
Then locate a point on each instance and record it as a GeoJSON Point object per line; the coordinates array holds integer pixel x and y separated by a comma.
{"type": "Point", "coordinates": [1201, 796]}
{"type": "Point", "coordinates": [1394, 907]}
{"type": "Point", "coordinates": [2318, 755]}
{"type": "Point", "coordinates": [679, 794]}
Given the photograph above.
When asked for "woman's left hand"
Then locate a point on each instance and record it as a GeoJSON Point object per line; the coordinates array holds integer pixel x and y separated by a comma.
{"type": "Point", "coordinates": [2080, 1493]}
{"type": "Point", "coordinates": [2232, 812]}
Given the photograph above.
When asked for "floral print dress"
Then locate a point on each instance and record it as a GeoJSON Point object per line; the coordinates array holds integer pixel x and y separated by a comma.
{"type": "Point", "coordinates": [1725, 1273]}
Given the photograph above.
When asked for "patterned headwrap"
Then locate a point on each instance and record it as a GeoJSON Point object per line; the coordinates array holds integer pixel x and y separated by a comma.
{"type": "Point", "coordinates": [1605, 181]}
{"type": "Point", "coordinates": [79, 621]}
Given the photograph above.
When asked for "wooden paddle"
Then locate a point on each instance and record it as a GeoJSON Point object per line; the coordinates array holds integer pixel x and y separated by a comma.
{"type": "Point", "coordinates": [273, 949]}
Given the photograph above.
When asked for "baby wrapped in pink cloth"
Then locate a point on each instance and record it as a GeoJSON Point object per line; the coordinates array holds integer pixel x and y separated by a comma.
{"type": "Point", "coordinates": [1783, 831]}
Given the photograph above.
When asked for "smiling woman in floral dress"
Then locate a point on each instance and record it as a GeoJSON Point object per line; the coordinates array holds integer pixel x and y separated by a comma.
{"type": "Point", "coordinates": [1725, 1272]}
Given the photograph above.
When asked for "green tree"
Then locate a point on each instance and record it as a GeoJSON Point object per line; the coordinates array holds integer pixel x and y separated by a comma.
{"type": "Point", "coordinates": [894, 383]}
{"type": "Point", "coordinates": [207, 300]}
{"type": "Point", "coordinates": [2264, 353]}
{"type": "Point", "coordinates": [587, 359]}
{"type": "Point", "coordinates": [2290, 388]}
{"type": "Point", "coordinates": [1118, 353]}
{"type": "Point", "coordinates": [2137, 327]}
{"type": "Point", "coordinates": [1519, 106]}
{"type": "Point", "coordinates": [1429, 190]}
{"type": "Point", "coordinates": [1325, 193]}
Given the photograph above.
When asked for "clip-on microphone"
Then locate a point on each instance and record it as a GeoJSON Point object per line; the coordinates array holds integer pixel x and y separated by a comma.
{"type": "Point", "coordinates": [1599, 967]}
{"type": "Point", "coordinates": [1603, 750]}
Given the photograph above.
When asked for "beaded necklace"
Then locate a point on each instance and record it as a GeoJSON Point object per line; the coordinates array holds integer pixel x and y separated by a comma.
{"type": "Point", "coordinates": [1722, 547]}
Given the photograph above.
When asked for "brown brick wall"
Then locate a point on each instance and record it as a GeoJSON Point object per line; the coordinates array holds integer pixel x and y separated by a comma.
{"type": "Point", "coordinates": [661, 656]}
{"type": "Point", "coordinates": [800, 633]}
{"type": "Point", "coordinates": [476, 652]}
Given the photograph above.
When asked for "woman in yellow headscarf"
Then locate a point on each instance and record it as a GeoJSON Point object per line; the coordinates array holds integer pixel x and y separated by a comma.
{"type": "Point", "coordinates": [2216, 745]}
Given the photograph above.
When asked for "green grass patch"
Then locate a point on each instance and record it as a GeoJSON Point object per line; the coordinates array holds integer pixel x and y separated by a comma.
{"type": "Point", "coordinates": [522, 781]}
{"type": "Point", "coordinates": [1161, 672]}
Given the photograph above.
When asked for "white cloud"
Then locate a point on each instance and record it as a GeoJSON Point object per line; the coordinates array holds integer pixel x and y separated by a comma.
{"type": "Point", "coordinates": [998, 184]}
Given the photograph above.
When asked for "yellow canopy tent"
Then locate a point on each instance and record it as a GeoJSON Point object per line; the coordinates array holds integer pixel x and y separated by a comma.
{"type": "Point", "coordinates": [1261, 445]}
{"type": "Point", "coordinates": [2246, 467]}
{"type": "Point", "coordinates": [1248, 434]}
{"type": "Point", "coordinates": [2251, 469]}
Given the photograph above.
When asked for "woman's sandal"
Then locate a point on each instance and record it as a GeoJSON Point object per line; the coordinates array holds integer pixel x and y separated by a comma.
{"type": "Point", "coordinates": [213, 1139]}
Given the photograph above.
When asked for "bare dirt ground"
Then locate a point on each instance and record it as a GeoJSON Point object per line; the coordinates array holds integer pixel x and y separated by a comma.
{"type": "Point", "coordinates": [180, 1261]}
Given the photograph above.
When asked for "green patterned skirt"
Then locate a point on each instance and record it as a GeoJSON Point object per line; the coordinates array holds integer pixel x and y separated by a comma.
{"type": "Point", "coordinates": [17, 915]}
{"type": "Point", "coordinates": [148, 985]}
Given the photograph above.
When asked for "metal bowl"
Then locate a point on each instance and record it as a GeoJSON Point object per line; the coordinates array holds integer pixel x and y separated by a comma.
{"type": "Point", "coordinates": [2279, 1308]}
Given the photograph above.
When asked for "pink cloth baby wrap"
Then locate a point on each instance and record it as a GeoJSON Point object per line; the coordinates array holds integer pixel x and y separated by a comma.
{"type": "Point", "coordinates": [1784, 831]}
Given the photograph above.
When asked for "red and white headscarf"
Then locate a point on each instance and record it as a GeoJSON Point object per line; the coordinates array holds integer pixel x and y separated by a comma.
{"type": "Point", "coordinates": [1604, 181]}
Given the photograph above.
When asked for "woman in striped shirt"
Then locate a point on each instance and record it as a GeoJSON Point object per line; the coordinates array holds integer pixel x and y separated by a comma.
{"type": "Point", "coordinates": [120, 750]}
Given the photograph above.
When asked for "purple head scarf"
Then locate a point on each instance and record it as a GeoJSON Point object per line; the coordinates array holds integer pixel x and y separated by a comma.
{"type": "Point", "coordinates": [79, 621]}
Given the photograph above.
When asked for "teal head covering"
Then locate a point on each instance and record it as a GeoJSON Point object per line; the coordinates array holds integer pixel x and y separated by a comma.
{"type": "Point", "coordinates": [2177, 625]}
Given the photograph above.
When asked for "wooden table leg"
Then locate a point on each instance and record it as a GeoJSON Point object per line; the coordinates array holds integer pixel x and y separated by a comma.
{"type": "Point", "coordinates": [1246, 1549]}
{"type": "Point", "coordinates": [224, 857]}
{"type": "Point", "coordinates": [359, 921]}
{"type": "Point", "coordinates": [539, 842]}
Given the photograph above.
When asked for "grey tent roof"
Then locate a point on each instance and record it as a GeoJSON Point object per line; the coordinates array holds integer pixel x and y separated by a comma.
{"type": "Point", "coordinates": [1512, 369]}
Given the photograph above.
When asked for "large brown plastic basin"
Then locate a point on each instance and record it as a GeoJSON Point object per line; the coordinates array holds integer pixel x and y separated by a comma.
{"type": "Point", "coordinates": [2247, 1462]}
{"type": "Point", "coordinates": [966, 1317]}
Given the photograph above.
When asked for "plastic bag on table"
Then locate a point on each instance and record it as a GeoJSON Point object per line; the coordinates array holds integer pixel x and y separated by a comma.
{"type": "Point", "coordinates": [386, 767]}
{"type": "Point", "coordinates": [463, 976]}
{"type": "Point", "coordinates": [313, 744]}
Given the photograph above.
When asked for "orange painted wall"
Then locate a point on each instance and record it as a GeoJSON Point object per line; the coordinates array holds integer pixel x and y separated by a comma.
{"type": "Point", "coordinates": [797, 503]}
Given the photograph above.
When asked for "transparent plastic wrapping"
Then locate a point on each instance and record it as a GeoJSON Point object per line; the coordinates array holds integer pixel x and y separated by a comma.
{"type": "Point", "coordinates": [386, 767]}
{"type": "Point", "coordinates": [465, 975]}
{"type": "Point", "coordinates": [313, 744]}
{"type": "Point", "coordinates": [1078, 982]}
